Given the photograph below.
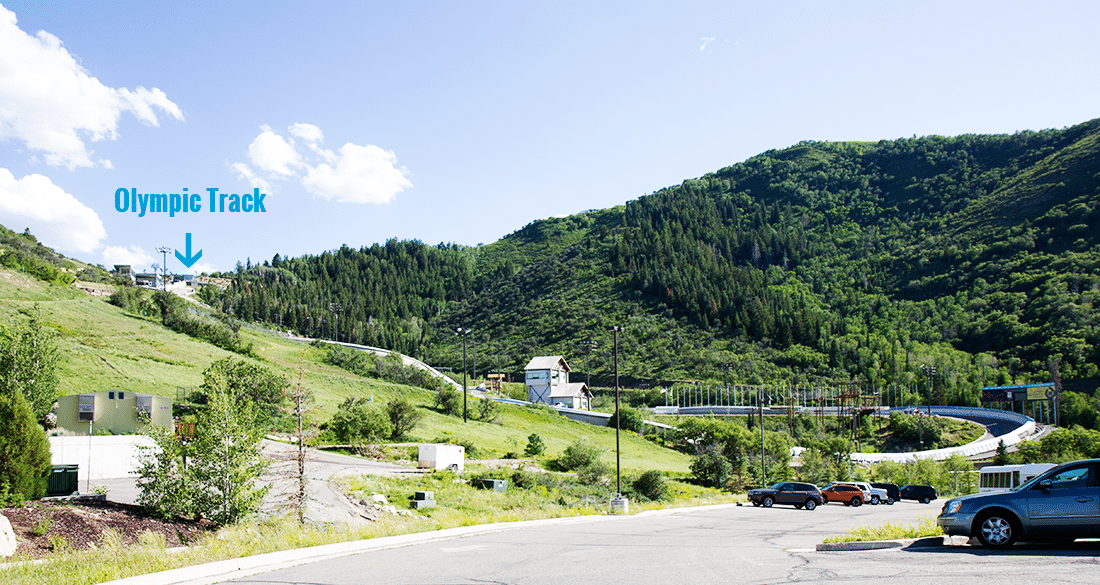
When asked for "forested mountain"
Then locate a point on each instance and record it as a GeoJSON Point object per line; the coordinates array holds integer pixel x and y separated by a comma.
{"type": "Point", "coordinates": [824, 261]}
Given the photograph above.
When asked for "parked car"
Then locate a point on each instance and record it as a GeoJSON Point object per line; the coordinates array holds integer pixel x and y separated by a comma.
{"type": "Point", "coordinates": [1062, 504]}
{"type": "Point", "coordinates": [873, 494]}
{"type": "Point", "coordinates": [892, 492]}
{"type": "Point", "coordinates": [920, 493]}
{"type": "Point", "coordinates": [845, 493]}
{"type": "Point", "coordinates": [799, 495]}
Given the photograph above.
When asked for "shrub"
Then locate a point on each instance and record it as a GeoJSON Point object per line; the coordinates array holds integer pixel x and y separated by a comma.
{"type": "Point", "coordinates": [577, 455]}
{"type": "Point", "coordinates": [487, 410]}
{"type": "Point", "coordinates": [448, 401]}
{"type": "Point", "coordinates": [631, 419]}
{"type": "Point", "coordinates": [710, 468]}
{"type": "Point", "coordinates": [650, 485]}
{"type": "Point", "coordinates": [403, 417]}
{"type": "Point", "coordinates": [593, 473]}
{"type": "Point", "coordinates": [358, 421]}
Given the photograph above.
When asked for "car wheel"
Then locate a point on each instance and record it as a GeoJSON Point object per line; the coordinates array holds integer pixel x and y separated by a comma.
{"type": "Point", "coordinates": [890, 501]}
{"type": "Point", "coordinates": [874, 500]}
{"type": "Point", "coordinates": [767, 502]}
{"type": "Point", "coordinates": [925, 499]}
{"type": "Point", "coordinates": [856, 502]}
{"type": "Point", "coordinates": [996, 531]}
{"type": "Point", "coordinates": [810, 505]}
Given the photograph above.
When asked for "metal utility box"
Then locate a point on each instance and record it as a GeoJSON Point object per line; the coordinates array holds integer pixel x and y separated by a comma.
{"type": "Point", "coordinates": [497, 485]}
{"type": "Point", "coordinates": [449, 457]}
{"type": "Point", "coordinates": [63, 480]}
{"type": "Point", "coordinates": [423, 500]}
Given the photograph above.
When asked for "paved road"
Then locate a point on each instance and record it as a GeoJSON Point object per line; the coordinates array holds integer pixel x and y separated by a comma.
{"type": "Point", "coordinates": [723, 544]}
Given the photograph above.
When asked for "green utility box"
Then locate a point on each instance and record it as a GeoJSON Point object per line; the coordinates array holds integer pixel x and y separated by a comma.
{"type": "Point", "coordinates": [63, 480]}
{"type": "Point", "coordinates": [497, 485]}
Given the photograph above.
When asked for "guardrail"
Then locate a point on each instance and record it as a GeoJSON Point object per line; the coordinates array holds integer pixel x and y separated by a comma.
{"type": "Point", "coordinates": [1025, 429]}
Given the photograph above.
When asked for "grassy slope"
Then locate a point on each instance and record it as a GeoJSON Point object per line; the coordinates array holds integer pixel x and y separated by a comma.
{"type": "Point", "coordinates": [103, 347]}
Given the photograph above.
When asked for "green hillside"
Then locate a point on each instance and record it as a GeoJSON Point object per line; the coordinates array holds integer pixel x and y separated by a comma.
{"type": "Point", "coordinates": [822, 262]}
{"type": "Point", "coordinates": [104, 347]}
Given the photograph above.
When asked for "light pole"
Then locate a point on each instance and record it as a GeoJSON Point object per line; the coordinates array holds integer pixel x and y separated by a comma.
{"type": "Point", "coordinates": [463, 331]}
{"type": "Point", "coordinates": [588, 346]}
{"type": "Point", "coordinates": [335, 309]}
{"type": "Point", "coordinates": [931, 372]}
{"type": "Point", "coordinates": [164, 267]}
{"type": "Point", "coordinates": [618, 476]}
{"type": "Point", "coordinates": [763, 470]}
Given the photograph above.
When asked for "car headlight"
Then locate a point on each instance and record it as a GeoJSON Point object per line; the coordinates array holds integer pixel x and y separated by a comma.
{"type": "Point", "coordinates": [952, 507]}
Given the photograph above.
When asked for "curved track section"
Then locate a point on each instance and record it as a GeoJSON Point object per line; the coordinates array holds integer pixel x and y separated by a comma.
{"type": "Point", "coordinates": [1010, 427]}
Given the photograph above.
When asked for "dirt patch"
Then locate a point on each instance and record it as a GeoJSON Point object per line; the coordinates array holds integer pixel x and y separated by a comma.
{"type": "Point", "coordinates": [41, 526]}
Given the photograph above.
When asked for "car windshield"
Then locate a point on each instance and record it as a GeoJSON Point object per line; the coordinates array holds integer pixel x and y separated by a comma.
{"type": "Point", "coordinates": [778, 485]}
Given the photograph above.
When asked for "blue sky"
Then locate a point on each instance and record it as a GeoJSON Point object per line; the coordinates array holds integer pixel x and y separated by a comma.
{"type": "Point", "coordinates": [464, 121]}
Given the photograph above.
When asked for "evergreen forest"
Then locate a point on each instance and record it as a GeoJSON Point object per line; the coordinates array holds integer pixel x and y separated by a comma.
{"type": "Point", "coordinates": [823, 263]}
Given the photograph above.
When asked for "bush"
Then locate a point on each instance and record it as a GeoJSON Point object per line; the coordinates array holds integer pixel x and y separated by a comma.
{"type": "Point", "coordinates": [487, 410]}
{"type": "Point", "coordinates": [593, 473]}
{"type": "Point", "coordinates": [576, 456]}
{"type": "Point", "coordinates": [403, 417]}
{"type": "Point", "coordinates": [631, 419]}
{"type": "Point", "coordinates": [710, 468]}
{"type": "Point", "coordinates": [448, 401]}
{"type": "Point", "coordinates": [650, 485]}
{"type": "Point", "coordinates": [358, 421]}
{"type": "Point", "coordinates": [535, 446]}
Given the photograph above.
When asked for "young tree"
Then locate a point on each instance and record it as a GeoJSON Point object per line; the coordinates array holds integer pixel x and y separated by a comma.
{"type": "Point", "coordinates": [227, 456]}
{"type": "Point", "coordinates": [165, 485]}
{"type": "Point", "coordinates": [301, 399]}
{"type": "Point", "coordinates": [247, 382]}
{"type": "Point", "coordinates": [24, 451]}
{"type": "Point", "coordinates": [28, 364]}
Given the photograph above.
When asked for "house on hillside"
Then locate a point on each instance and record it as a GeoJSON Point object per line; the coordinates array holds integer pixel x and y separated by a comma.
{"type": "Point", "coordinates": [547, 379]}
{"type": "Point", "coordinates": [115, 411]}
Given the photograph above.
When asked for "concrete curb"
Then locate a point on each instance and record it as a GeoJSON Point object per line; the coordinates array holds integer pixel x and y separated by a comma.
{"type": "Point", "coordinates": [219, 571]}
{"type": "Point", "coordinates": [927, 542]}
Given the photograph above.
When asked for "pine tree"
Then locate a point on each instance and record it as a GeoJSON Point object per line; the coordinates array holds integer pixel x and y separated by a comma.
{"type": "Point", "coordinates": [24, 451]}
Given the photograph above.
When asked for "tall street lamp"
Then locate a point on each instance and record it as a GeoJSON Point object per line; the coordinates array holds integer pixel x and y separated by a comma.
{"type": "Point", "coordinates": [335, 308]}
{"type": "Point", "coordinates": [463, 331]}
{"type": "Point", "coordinates": [763, 469]}
{"type": "Point", "coordinates": [164, 267]}
{"type": "Point", "coordinates": [618, 475]}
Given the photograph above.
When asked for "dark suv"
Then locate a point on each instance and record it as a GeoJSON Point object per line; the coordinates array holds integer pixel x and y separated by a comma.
{"type": "Point", "coordinates": [799, 495]}
{"type": "Point", "coordinates": [920, 493]}
{"type": "Point", "coordinates": [891, 491]}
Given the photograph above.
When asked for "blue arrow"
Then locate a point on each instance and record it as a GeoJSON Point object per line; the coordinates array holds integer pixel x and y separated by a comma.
{"type": "Point", "coordinates": [189, 260]}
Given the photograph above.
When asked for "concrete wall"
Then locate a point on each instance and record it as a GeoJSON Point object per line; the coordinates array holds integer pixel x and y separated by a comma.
{"type": "Point", "coordinates": [112, 457]}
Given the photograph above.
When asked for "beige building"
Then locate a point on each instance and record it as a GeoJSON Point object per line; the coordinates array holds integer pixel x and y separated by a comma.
{"type": "Point", "coordinates": [547, 380]}
{"type": "Point", "coordinates": [116, 411]}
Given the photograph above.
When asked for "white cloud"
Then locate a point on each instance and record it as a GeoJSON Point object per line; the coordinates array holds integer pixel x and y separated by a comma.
{"type": "Point", "coordinates": [55, 217]}
{"type": "Point", "coordinates": [706, 41]}
{"type": "Point", "coordinates": [51, 103]}
{"type": "Point", "coordinates": [363, 174]}
{"type": "Point", "coordinates": [244, 172]}
{"type": "Point", "coordinates": [274, 154]}
{"type": "Point", "coordinates": [355, 174]}
{"type": "Point", "coordinates": [307, 132]}
{"type": "Point", "coordinates": [133, 255]}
